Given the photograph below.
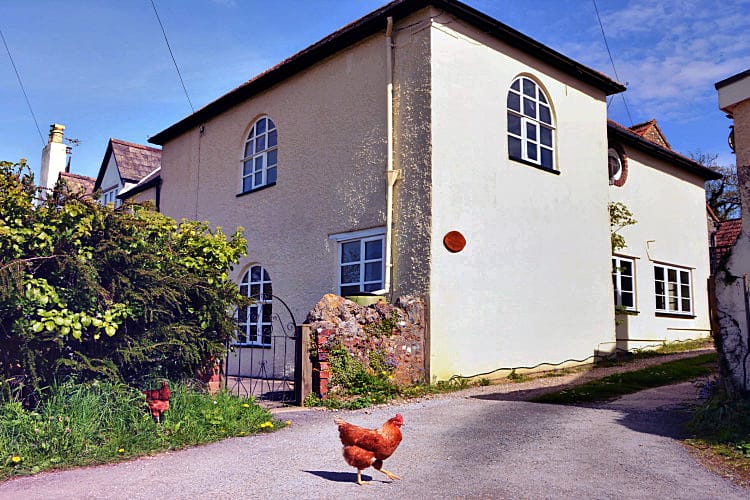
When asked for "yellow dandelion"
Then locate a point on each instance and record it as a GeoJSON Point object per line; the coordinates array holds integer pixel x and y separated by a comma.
{"type": "Point", "coordinates": [15, 459]}
{"type": "Point", "coordinates": [288, 422]}
{"type": "Point", "coordinates": [245, 405]}
{"type": "Point", "coordinates": [265, 425]}
{"type": "Point", "coordinates": [120, 450]}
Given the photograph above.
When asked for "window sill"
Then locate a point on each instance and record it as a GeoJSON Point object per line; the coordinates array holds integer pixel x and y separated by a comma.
{"type": "Point", "coordinates": [255, 190]}
{"type": "Point", "coordinates": [627, 312]}
{"type": "Point", "coordinates": [535, 165]}
{"type": "Point", "coordinates": [674, 315]}
{"type": "Point", "coordinates": [245, 345]}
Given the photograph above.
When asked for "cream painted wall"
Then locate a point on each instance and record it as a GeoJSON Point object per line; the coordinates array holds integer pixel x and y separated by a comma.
{"type": "Point", "coordinates": [670, 207]}
{"type": "Point", "coordinates": [533, 283]}
{"type": "Point", "coordinates": [145, 195]}
{"type": "Point", "coordinates": [111, 176]}
{"type": "Point", "coordinates": [331, 126]}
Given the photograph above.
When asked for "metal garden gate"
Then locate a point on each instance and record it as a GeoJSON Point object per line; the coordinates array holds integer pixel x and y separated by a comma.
{"type": "Point", "coordinates": [266, 366]}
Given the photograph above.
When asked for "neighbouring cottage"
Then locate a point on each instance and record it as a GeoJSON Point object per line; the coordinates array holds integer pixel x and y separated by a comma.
{"type": "Point", "coordinates": [429, 150]}
{"type": "Point", "coordinates": [732, 287]}
{"type": "Point", "coordinates": [129, 172]}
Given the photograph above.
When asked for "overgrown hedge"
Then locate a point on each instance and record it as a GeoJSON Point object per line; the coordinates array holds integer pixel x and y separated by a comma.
{"type": "Point", "coordinates": [94, 292]}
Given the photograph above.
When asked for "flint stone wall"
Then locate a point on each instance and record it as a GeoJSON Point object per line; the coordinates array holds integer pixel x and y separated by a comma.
{"type": "Point", "coordinates": [360, 330]}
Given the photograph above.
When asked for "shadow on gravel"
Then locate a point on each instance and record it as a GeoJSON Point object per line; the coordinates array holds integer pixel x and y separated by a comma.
{"type": "Point", "coordinates": [339, 477]}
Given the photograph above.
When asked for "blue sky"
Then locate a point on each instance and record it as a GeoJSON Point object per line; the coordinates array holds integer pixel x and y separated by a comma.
{"type": "Point", "coordinates": [102, 68]}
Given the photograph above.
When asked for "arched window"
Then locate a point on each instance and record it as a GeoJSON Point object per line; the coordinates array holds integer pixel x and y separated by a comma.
{"type": "Point", "coordinates": [531, 130]}
{"type": "Point", "coordinates": [260, 156]}
{"type": "Point", "coordinates": [254, 322]}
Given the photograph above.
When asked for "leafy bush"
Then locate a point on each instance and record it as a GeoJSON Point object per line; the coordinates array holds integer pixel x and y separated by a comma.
{"type": "Point", "coordinates": [93, 292]}
{"type": "Point", "coordinates": [82, 424]}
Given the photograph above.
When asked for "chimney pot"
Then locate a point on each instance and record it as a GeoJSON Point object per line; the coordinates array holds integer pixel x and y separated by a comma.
{"type": "Point", "coordinates": [56, 133]}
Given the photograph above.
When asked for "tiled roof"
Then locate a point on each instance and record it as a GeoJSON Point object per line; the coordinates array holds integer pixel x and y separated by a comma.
{"type": "Point", "coordinates": [650, 130]}
{"type": "Point", "coordinates": [728, 232]}
{"type": "Point", "coordinates": [79, 183]}
{"type": "Point", "coordinates": [617, 132]}
{"type": "Point", "coordinates": [135, 161]}
{"type": "Point", "coordinates": [148, 181]}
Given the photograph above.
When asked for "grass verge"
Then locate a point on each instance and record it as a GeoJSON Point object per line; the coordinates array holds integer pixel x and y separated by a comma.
{"type": "Point", "coordinates": [619, 384]}
{"type": "Point", "coordinates": [86, 424]}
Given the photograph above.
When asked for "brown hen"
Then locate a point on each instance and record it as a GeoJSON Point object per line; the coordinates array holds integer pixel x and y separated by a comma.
{"type": "Point", "coordinates": [158, 400]}
{"type": "Point", "coordinates": [369, 447]}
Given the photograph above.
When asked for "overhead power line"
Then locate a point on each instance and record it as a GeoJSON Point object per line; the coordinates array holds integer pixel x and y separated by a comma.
{"type": "Point", "coordinates": [20, 83]}
{"type": "Point", "coordinates": [611, 60]}
{"type": "Point", "coordinates": [172, 55]}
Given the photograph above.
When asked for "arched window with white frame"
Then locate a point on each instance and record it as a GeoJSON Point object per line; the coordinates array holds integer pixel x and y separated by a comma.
{"type": "Point", "coordinates": [260, 156]}
{"type": "Point", "coordinates": [254, 326]}
{"type": "Point", "coordinates": [531, 128]}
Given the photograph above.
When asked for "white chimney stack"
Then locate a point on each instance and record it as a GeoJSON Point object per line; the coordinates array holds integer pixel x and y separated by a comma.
{"type": "Point", "coordinates": [53, 158]}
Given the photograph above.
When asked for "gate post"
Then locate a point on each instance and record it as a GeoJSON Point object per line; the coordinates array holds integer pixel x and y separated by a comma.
{"type": "Point", "coordinates": [303, 373]}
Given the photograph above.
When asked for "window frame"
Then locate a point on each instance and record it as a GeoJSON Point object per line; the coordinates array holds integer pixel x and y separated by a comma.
{"type": "Point", "coordinates": [110, 196]}
{"type": "Point", "coordinates": [363, 285]}
{"type": "Point", "coordinates": [255, 155]}
{"type": "Point", "coordinates": [529, 122]}
{"type": "Point", "coordinates": [262, 306]}
{"type": "Point", "coordinates": [679, 290]}
{"type": "Point", "coordinates": [617, 279]}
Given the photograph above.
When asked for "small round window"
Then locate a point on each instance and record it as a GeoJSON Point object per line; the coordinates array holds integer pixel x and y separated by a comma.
{"type": "Point", "coordinates": [615, 165]}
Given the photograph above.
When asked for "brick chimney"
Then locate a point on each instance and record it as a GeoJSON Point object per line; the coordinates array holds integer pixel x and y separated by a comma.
{"type": "Point", "coordinates": [54, 159]}
{"type": "Point", "coordinates": [734, 99]}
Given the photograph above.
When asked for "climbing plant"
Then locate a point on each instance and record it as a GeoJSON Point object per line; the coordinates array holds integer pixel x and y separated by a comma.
{"type": "Point", "coordinates": [620, 217]}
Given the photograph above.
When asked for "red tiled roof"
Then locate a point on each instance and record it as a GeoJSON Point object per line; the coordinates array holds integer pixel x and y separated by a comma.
{"type": "Point", "coordinates": [650, 130]}
{"type": "Point", "coordinates": [728, 232]}
{"type": "Point", "coordinates": [135, 161]}
{"type": "Point", "coordinates": [79, 183]}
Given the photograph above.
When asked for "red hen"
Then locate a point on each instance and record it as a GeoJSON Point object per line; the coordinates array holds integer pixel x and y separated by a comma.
{"type": "Point", "coordinates": [369, 447]}
{"type": "Point", "coordinates": [158, 400]}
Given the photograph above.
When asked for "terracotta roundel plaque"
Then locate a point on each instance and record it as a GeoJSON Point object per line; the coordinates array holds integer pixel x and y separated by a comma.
{"type": "Point", "coordinates": [454, 241]}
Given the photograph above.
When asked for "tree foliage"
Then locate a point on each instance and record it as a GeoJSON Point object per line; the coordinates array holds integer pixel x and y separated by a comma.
{"type": "Point", "coordinates": [92, 292]}
{"type": "Point", "coordinates": [722, 195]}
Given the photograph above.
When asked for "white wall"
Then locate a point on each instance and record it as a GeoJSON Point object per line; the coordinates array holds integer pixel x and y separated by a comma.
{"type": "Point", "coordinates": [533, 283]}
{"type": "Point", "coordinates": [670, 207]}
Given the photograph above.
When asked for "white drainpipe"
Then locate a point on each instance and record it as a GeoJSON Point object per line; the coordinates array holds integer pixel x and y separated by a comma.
{"type": "Point", "coordinates": [391, 174]}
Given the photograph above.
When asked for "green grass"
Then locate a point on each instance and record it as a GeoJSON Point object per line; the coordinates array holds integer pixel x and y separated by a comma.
{"type": "Point", "coordinates": [619, 384]}
{"type": "Point", "coordinates": [85, 424]}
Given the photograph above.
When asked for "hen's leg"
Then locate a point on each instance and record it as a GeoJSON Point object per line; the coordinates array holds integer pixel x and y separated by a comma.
{"type": "Point", "coordinates": [378, 464]}
{"type": "Point", "coordinates": [359, 479]}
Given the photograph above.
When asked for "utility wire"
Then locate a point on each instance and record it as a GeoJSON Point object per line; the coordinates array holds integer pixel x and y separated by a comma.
{"type": "Point", "coordinates": [171, 54]}
{"type": "Point", "coordinates": [611, 60]}
{"type": "Point", "coordinates": [20, 83]}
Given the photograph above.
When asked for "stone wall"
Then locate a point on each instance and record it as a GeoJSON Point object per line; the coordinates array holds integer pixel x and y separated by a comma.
{"type": "Point", "coordinates": [393, 331]}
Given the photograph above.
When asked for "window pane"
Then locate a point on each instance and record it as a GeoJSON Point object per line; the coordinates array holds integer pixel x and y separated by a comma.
{"type": "Point", "coordinates": [626, 283]}
{"type": "Point", "coordinates": [254, 290]}
{"type": "Point", "coordinates": [545, 136]}
{"type": "Point", "coordinates": [247, 168]}
{"type": "Point", "coordinates": [374, 249]}
{"type": "Point", "coordinates": [685, 291]}
{"type": "Point", "coordinates": [686, 305]}
{"type": "Point", "coordinates": [627, 299]}
{"type": "Point", "coordinates": [253, 314]}
{"type": "Point", "coordinates": [243, 290]}
{"type": "Point", "coordinates": [271, 138]}
{"type": "Point", "coordinates": [350, 251]}
{"type": "Point", "coordinates": [514, 101]}
{"type": "Point", "coordinates": [252, 335]}
{"type": "Point", "coordinates": [660, 302]}
{"type": "Point", "coordinates": [266, 315]}
{"type": "Point", "coordinates": [258, 179]}
{"type": "Point", "coordinates": [349, 290]}
{"type": "Point", "coordinates": [260, 127]}
{"type": "Point", "coordinates": [545, 115]}
{"type": "Point", "coordinates": [529, 88]}
{"type": "Point", "coordinates": [546, 158]}
{"type": "Point", "coordinates": [514, 124]}
{"type": "Point", "coordinates": [268, 290]}
{"type": "Point", "coordinates": [247, 184]}
{"type": "Point", "coordinates": [514, 147]}
{"type": "Point", "coordinates": [531, 131]}
{"type": "Point", "coordinates": [529, 108]}
{"type": "Point", "coordinates": [659, 288]}
{"type": "Point", "coordinates": [516, 85]}
{"type": "Point", "coordinates": [267, 334]}
{"type": "Point", "coordinates": [271, 158]}
{"type": "Point", "coordinates": [659, 273]}
{"type": "Point", "coordinates": [249, 148]}
{"type": "Point", "coordinates": [242, 315]}
{"type": "Point", "coordinates": [672, 275]}
{"type": "Point", "coordinates": [255, 273]}
{"type": "Point", "coordinates": [541, 97]}
{"type": "Point", "coordinates": [531, 151]}
{"type": "Point", "coordinates": [350, 274]}
{"type": "Point", "coordinates": [373, 271]}
{"type": "Point", "coordinates": [258, 163]}
{"type": "Point", "coordinates": [271, 124]}
{"type": "Point", "coordinates": [260, 143]}
{"type": "Point", "coordinates": [684, 277]}
{"type": "Point", "coordinates": [271, 175]}
{"type": "Point", "coordinates": [371, 287]}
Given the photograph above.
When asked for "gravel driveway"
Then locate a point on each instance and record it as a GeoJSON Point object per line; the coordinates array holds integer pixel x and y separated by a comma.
{"type": "Point", "coordinates": [481, 443]}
